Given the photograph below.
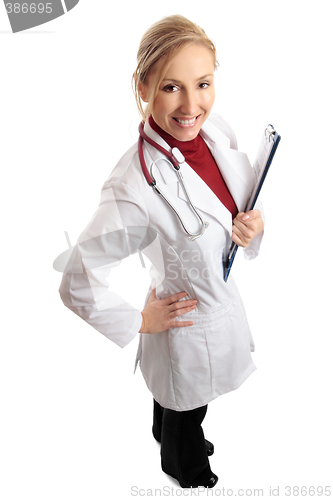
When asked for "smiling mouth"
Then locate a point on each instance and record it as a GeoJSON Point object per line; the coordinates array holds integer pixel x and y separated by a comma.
{"type": "Point", "coordinates": [191, 121]}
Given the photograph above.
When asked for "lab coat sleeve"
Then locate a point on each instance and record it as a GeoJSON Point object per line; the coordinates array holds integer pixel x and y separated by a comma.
{"type": "Point", "coordinates": [84, 288]}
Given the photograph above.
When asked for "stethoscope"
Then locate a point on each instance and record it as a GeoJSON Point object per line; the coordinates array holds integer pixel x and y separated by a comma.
{"type": "Point", "coordinates": [174, 158]}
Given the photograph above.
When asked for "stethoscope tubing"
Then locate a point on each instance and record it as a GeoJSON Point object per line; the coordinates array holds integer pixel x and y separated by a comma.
{"type": "Point", "coordinates": [171, 158]}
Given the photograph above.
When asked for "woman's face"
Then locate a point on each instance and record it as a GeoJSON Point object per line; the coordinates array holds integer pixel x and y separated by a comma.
{"type": "Point", "coordinates": [186, 94]}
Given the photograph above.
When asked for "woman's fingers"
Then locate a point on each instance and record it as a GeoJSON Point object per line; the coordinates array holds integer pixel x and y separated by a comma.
{"type": "Point", "coordinates": [180, 324]}
{"type": "Point", "coordinates": [179, 308]}
{"type": "Point", "coordinates": [239, 239]}
{"type": "Point", "coordinates": [175, 304]}
{"type": "Point", "coordinates": [160, 314]}
{"type": "Point", "coordinates": [241, 234]}
{"type": "Point", "coordinates": [246, 226]}
{"type": "Point", "coordinates": [168, 300]}
{"type": "Point", "coordinates": [174, 298]}
{"type": "Point", "coordinates": [179, 311]}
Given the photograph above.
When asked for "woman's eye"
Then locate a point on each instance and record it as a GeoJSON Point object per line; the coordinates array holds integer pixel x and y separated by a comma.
{"type": "Point", "coordinates": [204, 85]}
{"type": "Point", "coordinates": [170, 88]}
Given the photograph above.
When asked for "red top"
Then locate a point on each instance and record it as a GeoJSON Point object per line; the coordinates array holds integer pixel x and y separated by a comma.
{"type": "Point", "coordinates": [199, 157]}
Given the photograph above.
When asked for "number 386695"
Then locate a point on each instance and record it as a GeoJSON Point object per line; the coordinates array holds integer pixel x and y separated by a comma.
{"type": "Point", "coordinates": [33, 8]}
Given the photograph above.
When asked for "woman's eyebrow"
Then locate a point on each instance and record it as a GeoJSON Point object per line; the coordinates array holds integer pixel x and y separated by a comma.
{"type": "Point", "coordinates": [178, 81]}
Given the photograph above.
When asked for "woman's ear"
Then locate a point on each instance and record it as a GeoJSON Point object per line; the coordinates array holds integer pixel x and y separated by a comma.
{"type": "Point", "coordinates": [143, 92]}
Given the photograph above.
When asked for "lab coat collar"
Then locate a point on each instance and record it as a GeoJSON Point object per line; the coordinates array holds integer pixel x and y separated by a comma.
{"type": "Point", "coordinates": [234, 166]}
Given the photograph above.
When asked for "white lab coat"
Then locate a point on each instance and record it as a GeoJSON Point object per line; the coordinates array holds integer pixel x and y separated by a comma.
{"type": "Point", "coordinates": [184, 368]}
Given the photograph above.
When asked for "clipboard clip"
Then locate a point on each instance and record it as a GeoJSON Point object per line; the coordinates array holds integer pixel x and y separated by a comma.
{"type": "Point", "coordinates": [269, 132]}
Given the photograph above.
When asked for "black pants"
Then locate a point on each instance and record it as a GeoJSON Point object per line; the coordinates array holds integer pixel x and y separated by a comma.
{"type": "Point", "coordinates": [183, 449]}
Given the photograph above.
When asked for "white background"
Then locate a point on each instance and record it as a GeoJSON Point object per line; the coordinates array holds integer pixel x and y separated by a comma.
{"type": "Point", "coordinates": [75, 421]}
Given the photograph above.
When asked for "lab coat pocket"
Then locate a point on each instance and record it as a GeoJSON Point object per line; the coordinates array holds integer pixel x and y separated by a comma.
{"type": "Point", "coordinates": [190, 365]}
{"type": "Point", "coordinates": [190, 354]}
{"type": "Point", "coordinates": [229, 350]}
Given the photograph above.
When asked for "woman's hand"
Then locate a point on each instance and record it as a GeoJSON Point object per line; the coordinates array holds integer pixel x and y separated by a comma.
{"type": "Point", "coordinates": [159, 314]}
{"type": "Point", "coordinates": [246, 226]}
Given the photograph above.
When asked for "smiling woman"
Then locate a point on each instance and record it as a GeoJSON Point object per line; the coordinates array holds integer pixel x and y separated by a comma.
{"type": "Point", "coordinates": [182, 105]}
{"type": "Point", "coordinates": [195, 341]}
{"type": "Point", "coordinates": [158, 48]}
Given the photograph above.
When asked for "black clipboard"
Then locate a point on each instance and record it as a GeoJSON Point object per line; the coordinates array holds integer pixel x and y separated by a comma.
{"type": "Point", "coordinates": [264, 158]}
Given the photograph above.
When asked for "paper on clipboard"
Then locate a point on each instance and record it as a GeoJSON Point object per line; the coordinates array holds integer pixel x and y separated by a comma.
{"type": "Point", "coordinates": [262, 162]}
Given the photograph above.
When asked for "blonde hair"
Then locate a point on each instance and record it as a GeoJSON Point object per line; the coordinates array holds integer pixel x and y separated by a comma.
{"type": "Point", "coordinates": [163, 40]}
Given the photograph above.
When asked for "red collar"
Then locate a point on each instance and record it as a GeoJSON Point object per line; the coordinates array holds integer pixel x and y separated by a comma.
{"type": "Point", "coordinates": [185, 148]}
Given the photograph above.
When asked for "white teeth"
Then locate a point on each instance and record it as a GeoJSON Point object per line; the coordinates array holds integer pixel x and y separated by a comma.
{"type": "Point", "coordinates": [186, 122]}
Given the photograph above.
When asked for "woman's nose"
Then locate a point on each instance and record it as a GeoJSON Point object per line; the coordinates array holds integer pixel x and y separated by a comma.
{"type": "Point", "coordinates": [189, 103]}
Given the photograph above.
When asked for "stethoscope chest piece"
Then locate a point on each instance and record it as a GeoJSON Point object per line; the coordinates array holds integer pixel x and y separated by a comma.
{"type": "Point", "coordinates": [178, 155]}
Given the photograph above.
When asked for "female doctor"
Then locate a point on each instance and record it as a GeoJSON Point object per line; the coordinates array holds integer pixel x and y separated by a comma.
{"type": "Point", "coordinates": [195, 342]}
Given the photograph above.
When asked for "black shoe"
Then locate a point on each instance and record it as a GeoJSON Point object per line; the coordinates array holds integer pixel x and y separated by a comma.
{"type": "Point", "coordinates": [209, 448]}
{"type": "Point", "coordinates": [212, 481]}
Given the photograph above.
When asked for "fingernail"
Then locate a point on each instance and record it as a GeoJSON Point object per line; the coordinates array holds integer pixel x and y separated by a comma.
{"type": "Point", "coordinates": [245, 217]}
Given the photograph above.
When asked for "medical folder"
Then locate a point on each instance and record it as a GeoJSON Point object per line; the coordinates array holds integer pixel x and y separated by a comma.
{"type": "Point", "coordinates": [263, 160]}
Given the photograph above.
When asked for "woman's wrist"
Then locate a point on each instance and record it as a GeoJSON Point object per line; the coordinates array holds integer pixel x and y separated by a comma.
{"type": "Point", "coordinates": [143, 324]}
